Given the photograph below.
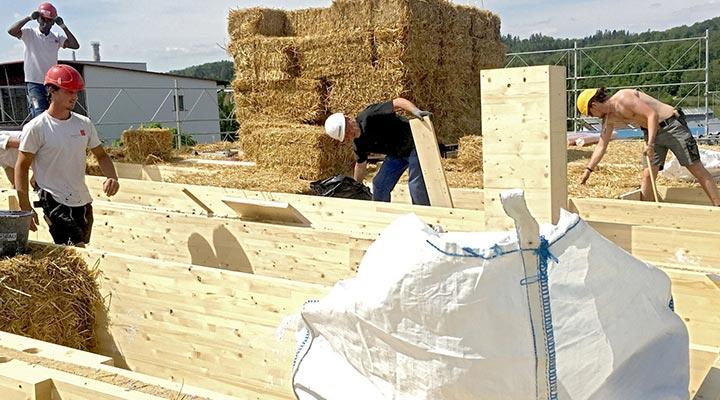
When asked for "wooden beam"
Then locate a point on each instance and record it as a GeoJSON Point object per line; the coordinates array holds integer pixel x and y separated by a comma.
{"type": "Point", "coordinates": [428, 153]}
{"type": "Point", "coordinates": [52, 351]}
{"type": "Point", "coordinates": [354, 216]}
{"type": "Point", "coordinates": [662, 215]}
{"type": "Point", "coordinates": [464, 198]}
{"type": "Point", "coordinates": [690, 249]}
{"type": "Point", "coordinates": [197, 201]}
{"type": "Point", "coordinates": [524, 140]}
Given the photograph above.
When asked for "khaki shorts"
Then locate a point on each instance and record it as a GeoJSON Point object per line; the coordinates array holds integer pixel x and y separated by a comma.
{"type": "Point", "coordinates": [677, 138]}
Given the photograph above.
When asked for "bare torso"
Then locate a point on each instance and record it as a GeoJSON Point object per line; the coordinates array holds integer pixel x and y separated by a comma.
{"type": "Point", "coordinates": [622, 103]}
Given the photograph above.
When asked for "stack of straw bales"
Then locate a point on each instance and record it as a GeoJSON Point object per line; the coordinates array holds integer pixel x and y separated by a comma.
{"type": "Point", "coordinates": [50, 294]}
{"type": "Point", "coordinates": [139, 144]}
{"type": "Point", "coordinates": [300, 66]}
{"type": "Point", "coordinates": [470, 153]}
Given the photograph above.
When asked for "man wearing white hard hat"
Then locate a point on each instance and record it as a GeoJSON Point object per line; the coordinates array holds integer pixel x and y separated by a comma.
{"type": "Point", "coordinates": [41, 51]}
{"type": "Point", "coordinates": [379, 129]}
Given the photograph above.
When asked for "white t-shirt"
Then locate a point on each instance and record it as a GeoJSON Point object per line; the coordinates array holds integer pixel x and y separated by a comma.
{"type": "Point", "coordinates": [60, 151]}
{"type": "Point", "coordinates": [41, 53]}
{"type": "Point", "coordinates": [8, 157]}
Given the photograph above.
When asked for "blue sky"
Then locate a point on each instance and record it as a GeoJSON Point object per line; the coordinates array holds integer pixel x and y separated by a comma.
{"type": "Point", "coordinates": [175, 34]}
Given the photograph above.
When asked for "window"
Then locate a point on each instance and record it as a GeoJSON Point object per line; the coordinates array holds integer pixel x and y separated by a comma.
{"type": "Point", "coordinates": [181, 100]}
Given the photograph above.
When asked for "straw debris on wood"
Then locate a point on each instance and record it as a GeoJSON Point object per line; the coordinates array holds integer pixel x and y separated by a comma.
{"type": "Point", "coordinates": [50, 294]}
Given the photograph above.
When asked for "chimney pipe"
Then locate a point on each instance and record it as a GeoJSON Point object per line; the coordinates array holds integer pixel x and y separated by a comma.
{"type": "Point", "coordinates": [96, 51]}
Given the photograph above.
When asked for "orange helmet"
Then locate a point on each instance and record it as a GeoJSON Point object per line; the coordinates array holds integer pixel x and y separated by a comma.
{"type": "Point", "coordinates": [47, 10]}
{"type": "Point", "coordinates": [64, 77]}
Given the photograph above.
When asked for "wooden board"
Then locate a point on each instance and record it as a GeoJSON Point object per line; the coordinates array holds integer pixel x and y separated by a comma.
{"type": "Point", "coordinates": [661, 215]}
{"type": "Point", "coordinates": [428, 152]}
{"type": "Point", "coordinates": [689, 249]}
{"type": "Point", "coordinates": [364, 218]}
{"type": "Point", "coordinates": [463, 198]}
{"type": "Point", "coordinates": [524, 140]}
{"type": "Point", "coordinates": [202, 326]}
{"type": "Point", "coordinates": [266, 211]}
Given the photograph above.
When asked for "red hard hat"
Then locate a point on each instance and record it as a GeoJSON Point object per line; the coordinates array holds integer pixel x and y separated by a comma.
{"type": "Point", "coordinates": [47, 10]}
{"type": "Point", "coordinates": [64, 77]}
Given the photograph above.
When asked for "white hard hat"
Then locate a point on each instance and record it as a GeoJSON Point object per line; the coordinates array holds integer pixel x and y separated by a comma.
{"type": "Point", "coordinates": [335, 126]}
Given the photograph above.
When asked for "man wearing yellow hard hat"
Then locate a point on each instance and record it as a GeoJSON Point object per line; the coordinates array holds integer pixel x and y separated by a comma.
{"type": "Point", "coordinates": [664, 126]}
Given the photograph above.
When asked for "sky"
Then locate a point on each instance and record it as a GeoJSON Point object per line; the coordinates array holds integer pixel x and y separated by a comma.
{"type": "Point", "coordinates": [180, 33]}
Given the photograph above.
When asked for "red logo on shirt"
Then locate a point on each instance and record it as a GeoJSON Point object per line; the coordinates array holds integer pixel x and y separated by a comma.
{"type": "Point", "coordinates": [82, 132]}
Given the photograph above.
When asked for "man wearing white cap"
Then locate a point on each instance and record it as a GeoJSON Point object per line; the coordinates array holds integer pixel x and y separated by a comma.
{"type": "Point", "coordinates": [378, 129]}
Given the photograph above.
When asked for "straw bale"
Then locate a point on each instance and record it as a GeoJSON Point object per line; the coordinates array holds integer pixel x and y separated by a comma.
{"type": "Point", "coordinates": [311, 22]}
{"type": "Point", "coordinates": [301, 150]}
{"type": "Point", "coordinates": [334, 55]}
{"type": "Point", "coordinates": [261, 59]}
{"type": "Point", "coordinates": [370, 86]}
{"type": "Point", "coordinates": [141, 144]}
{"type": "Point", "coordinates": [297, 100]}
{"type": "Point", "coordinates": [50, 294]}
{"type": "Point", "coordinates": [243, 23]}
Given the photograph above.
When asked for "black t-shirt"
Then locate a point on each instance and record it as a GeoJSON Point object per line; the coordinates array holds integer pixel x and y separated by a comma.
{"type": "Point", "coordinates": [382, 132]}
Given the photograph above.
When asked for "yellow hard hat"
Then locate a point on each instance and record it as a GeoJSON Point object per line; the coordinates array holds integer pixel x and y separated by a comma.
{"type": "Point", "coordinates": [583, 101]}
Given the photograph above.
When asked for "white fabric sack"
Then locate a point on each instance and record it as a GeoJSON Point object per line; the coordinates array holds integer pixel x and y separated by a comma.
{"type": "Point", "coordinates": [416, 323]}
{"type": "Point", "coordinates": [709, 158]}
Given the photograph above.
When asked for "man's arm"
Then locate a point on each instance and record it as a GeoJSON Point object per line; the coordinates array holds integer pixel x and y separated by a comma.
{"type": "Point", "coordinates": [10, 173]}
{"type": "Point", "coordinates": [22, 167]}
{"type": "Point", "coordinates": [16, 28]}
{"type": "Point", "coordinates": [407, 105]}
{"type": "Point", "coordinates": [111, 185]}
{"type": "Point", "coordinates": [70, 42]}
{"type": "Point", "coordinates": [599, 152]}
{"type": "Point", "coordinates": [360, 171]}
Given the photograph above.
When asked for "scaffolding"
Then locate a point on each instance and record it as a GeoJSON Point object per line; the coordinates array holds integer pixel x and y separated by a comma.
{"type": "Point", "coordinates": [585, 70]}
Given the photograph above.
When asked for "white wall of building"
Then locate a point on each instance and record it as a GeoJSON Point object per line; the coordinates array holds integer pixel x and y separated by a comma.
{"type": "Point", "coordinates": [141, 101]}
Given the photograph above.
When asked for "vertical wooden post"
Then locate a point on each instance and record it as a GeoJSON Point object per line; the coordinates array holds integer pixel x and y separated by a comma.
{"type": "Point", "coordinates": [428, 152]}
{"type": "Point", "coordinates": [524, 116]}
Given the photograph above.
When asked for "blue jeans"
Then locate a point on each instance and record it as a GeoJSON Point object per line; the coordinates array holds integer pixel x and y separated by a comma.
{"type": "Point", "coordinates": [37, 97]}
{"type": "Point", "coordinates": [391, 171]}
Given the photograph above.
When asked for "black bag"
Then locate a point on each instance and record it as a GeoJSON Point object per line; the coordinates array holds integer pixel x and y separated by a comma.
{"type": "Point", "coordinates": [341, 186]}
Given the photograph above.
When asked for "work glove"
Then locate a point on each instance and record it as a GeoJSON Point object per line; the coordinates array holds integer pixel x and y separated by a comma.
{"type": "Point", "coordinates": [59, 22]}
{"type": "Point", "coordinates": [422, 114]}
{"type": "Point", "coordinates": [35, 15]}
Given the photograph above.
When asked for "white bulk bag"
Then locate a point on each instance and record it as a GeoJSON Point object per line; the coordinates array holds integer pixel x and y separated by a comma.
{"type": "Point", "coordinates": [446, 316]}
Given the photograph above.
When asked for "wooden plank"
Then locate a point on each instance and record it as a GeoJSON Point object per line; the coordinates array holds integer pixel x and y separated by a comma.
{"type": "Point", "coordinates": [464, 198]}
{"type": "Point", "coordinates": [690, 249]}
{"type": "Point", "coordinates": [197, 201]}
{"type": "Point", "coordinates": [684, 195]}
{"type": "Point", "coordinates": [524, 140]}
{"type": "Point", "coordinates": [620, 234]}
{"type": "Point", "coordinates": [429, 154]}
{"type": "Point", "coordinates": [354, 216]}
{"type": "Point", "coordinates": [637, 195]}
{"type": "Point", "coordinates": [52, 351]}
{"type": "Point", "coordinates": [266, 211]}
{"type": "Point", "coordinates": [663, 215]}
{"type": "Point", "coordinates": [200, 325]}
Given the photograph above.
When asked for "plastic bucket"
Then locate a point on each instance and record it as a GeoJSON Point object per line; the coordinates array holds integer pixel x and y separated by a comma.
{"type": "Point", "coordinates": [14, 229]}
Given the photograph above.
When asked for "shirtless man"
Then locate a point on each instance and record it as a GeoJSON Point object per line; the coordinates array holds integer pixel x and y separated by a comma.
{"type": "Point", "coordinates": [664, 126]}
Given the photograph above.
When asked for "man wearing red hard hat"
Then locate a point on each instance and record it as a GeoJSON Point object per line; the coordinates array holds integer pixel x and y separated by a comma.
{"type": "Point", "coordinates": [55, 144]}
{"type": "Point", "coordinates": [41, 51]}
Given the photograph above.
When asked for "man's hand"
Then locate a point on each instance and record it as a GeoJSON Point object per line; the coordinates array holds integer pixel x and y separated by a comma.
{"type": "Point", "coordinates": [649, 151]}
{"type": "Point", "coordinates": [35, 15]}
{"type": "Point", "coordinates": [110, 186]}
{"type": "Point", "coordinates": [421, 114]}
{"type": "Point", "coordinates": [585, 176]}
{"type": "Point", "coordinates": [59, 22]}
{"type": "Point", "coordinates": [34, 221]}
